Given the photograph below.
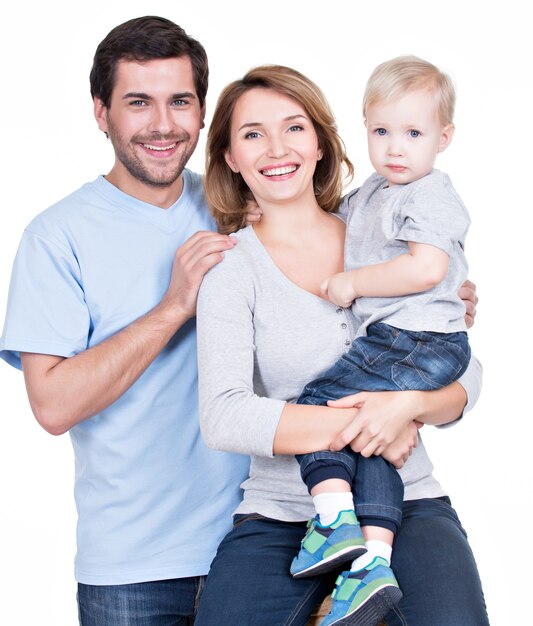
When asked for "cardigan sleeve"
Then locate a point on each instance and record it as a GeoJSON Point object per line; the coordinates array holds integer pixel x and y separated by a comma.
{"type": "Point", "coordinates": [232, 416]}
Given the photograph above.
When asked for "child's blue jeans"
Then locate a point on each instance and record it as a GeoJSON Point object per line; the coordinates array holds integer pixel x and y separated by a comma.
{"type": "Point", "coordinates": [387, 359]}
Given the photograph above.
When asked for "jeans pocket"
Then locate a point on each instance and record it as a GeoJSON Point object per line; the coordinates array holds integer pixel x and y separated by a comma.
{"type": "Point", "coordinates": [242, 518]}
{"type": "Point", "coordinates": [430, 365]}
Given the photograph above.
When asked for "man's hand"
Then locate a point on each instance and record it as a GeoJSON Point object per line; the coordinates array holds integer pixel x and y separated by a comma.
{"type": "Point", "coordinates": [467, 293]}
{"type": "Point", "coordinates": [339, 289]}
{"type": "Point", "coordinates": [254, 213]}
{"type": "Point", "coordinates": [192, 261]}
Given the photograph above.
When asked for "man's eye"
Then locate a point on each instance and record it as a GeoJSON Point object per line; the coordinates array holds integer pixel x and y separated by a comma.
{"type": "Point", "coordinates": [138, 103]}
{"type": "Point", "coordinates": [179, 103]}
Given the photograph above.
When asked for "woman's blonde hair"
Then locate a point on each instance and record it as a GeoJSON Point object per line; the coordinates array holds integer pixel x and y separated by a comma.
{"type": "Point", "coordinates": [226, 192]}
{"type": "Point", "coordinates": [396, 77]}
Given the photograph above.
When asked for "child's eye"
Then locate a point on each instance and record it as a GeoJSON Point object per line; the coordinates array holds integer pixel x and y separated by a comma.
{"type": "Point", "coordinates": [414, 133]}
{"type": "Point", "coordinates": [381, 132]}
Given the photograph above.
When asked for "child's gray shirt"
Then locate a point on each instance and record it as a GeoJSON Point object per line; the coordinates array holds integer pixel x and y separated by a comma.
{"type": "Point", "coordinates": [381, 220]}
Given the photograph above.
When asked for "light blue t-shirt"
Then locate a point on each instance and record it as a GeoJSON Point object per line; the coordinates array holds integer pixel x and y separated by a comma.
{"type": "Point", "coordinates": [153, 501]}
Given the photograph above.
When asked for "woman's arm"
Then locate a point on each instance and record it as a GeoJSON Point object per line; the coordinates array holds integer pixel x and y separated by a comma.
{"type": "Point", "coordinates": [305, 428]}
{"type": "Point", "coordinates": [233, 417]}
{"type": "Point", "coordinates": [383, 415]}
{"type": "Point", "coordinates": [440, 407]}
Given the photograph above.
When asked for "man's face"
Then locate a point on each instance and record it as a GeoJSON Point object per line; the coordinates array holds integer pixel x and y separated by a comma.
{"type": "Point", "coordinates": [153, 121]}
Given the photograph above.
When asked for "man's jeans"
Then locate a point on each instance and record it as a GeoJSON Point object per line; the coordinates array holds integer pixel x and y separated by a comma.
{"type": "Point", "coordinates": [249, 581]}
{"type": "Point", "coordinates": [387, 359]}
{"type": "Point", "coordinates": [159, 603]}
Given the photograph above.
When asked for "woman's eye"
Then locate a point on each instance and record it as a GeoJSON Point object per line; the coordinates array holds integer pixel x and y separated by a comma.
{"type": "Point", "coordinates": [253, 134]}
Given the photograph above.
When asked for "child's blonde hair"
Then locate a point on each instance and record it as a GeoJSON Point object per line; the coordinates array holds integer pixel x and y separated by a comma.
{"type": "Point", "coordinates": [396, 77]}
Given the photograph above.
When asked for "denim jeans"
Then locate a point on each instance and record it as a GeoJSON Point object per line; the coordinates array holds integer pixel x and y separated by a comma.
{"type": "Point", "coordinates": [160, 603]}
{"type": "Point", "coordinates": [249, 581]}
{"type": "Point", "coordinates": [387, 359]}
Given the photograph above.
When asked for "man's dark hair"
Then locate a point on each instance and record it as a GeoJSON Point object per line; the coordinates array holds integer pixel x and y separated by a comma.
{"type": "Point", "coordinates": [144, 39]}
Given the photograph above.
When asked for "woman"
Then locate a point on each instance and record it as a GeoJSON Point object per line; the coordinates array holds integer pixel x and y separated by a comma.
{"type": "Point", "coordinates": [264, 331]}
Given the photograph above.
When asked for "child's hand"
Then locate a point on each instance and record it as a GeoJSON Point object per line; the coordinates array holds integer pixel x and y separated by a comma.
{"type": "Point", "coordinates": [339, 289]}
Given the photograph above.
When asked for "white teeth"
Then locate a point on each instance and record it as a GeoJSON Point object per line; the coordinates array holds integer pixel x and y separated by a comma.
{"type": "Point", "coordinates": [158, 148]}
{"type": "Point", "coordinates": [279, 171]}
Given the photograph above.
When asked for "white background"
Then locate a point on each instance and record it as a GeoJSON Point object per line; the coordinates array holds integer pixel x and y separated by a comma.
{"type": "Point", "coordinates": [51, 146]}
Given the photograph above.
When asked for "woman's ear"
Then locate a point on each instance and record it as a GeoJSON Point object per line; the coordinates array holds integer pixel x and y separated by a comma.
{"type": "Point", "coordinates": [446, 136]}
{"type": "Point", "coordinates": [231, 163]}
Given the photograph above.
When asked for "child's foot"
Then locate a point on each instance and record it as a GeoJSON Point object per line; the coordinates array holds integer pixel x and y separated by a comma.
{"type": "Point", "coordinates": [325, 547]}
{"type": "Point", "coordinates": [363, 598]}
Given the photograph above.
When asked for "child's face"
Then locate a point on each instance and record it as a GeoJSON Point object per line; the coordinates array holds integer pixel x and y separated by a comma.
{"type": "Point", "coordinates": [405, 136]}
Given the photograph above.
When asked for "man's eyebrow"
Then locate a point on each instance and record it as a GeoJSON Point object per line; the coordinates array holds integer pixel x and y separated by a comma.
{"type": "Point", "coordinates": [286, 119]}
{"type": "Point", "coordinates": [144, 96]}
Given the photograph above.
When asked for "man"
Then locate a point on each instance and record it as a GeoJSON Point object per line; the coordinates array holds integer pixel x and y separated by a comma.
{"type": "Point", "coordinates": [100, 318]}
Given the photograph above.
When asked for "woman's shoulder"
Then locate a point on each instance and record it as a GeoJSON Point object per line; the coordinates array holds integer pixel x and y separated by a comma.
{"type": "Point", "coordinates": [246, 248]}
{"type": "Point", "coordinates": [239, 262]}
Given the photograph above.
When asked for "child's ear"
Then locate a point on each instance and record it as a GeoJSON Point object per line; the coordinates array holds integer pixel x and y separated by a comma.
{"type": "Point", "coordinates": [446, 136]}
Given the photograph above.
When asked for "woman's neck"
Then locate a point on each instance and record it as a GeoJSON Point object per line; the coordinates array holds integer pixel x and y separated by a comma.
{"type": "Point", "coordinates": [282, 222]}
{"type": "Point", "coordinates": [306, 243]}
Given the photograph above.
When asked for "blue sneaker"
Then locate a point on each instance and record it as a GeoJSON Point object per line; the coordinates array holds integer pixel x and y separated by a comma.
{"type": "Point", "coordinates": [325, 547]}
{"type": "Point", "coordinates": [363, 598]}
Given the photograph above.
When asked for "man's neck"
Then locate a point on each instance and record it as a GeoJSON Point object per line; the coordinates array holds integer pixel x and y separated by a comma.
{"type": "Point", "coordinates": [162, 197]}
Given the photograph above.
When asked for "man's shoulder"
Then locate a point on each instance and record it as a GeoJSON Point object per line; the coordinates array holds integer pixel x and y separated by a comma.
{"type": "Point", "coordinates": [65, 211]}
{"type": "Point", "coordinates": [193, 185]}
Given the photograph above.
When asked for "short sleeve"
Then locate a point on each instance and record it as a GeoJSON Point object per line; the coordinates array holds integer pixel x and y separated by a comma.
{"type": "Point", "coordinates": [347, 205]}
{"type": "Point", "coordinates": [434, 214]}
{"type": "Point", "coordinates": [46, 310]}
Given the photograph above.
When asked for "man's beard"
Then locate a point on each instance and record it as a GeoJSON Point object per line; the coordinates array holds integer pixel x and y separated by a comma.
{"type": "Point", "coordinates": [136, 167]}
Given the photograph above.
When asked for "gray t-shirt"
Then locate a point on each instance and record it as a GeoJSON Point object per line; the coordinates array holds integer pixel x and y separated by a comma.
{"type": "Point", "coordinates": [261, 338]}
{"type": "Point", "coordinates": [381, 220]}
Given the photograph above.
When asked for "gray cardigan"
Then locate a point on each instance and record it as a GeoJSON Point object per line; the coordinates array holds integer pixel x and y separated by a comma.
{"type": "Point", "coordinates": [261, 338]}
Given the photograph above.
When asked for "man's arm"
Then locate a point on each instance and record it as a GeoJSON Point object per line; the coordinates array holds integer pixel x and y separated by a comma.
{"type": "Point", "coordinates": [64, 392]}
{"type": "Point", "coordinates": [423, 267]}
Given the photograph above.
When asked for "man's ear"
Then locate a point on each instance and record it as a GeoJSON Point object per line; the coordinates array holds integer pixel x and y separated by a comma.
{"type": "Point", "coordinates": [202, 116]}
{"type": "Point", "coordinates": [100, 114]}
{"type": "Point", "coordinates": [446, 136]}
{"type": "Point", "coordinates": [231, 163]}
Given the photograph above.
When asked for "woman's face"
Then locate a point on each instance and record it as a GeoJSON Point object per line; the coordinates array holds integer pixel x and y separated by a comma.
{"type": "Point", "coordinates": [274, 146]}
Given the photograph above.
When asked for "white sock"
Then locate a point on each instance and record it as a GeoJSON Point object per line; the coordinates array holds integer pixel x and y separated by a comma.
{"type": "Point", "coordinates": [374, 548]}
{"type": "Point", "coordinates": [329, 505]}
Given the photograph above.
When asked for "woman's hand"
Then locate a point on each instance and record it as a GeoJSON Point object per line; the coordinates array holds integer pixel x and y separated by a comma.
{"type": "Point", "coordinates": [467, 293]}
{"type": "Point", "coordinates": [382, 418]}
{"type": "Point", "coordinates": [399, 450]}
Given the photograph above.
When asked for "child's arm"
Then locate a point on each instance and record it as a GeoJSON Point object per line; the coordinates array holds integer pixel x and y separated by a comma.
{"type": "Point", "coordinates": [423, 267]}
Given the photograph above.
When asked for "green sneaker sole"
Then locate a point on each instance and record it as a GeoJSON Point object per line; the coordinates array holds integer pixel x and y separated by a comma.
{"type": "Point", "coordinates": [332, 562]}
